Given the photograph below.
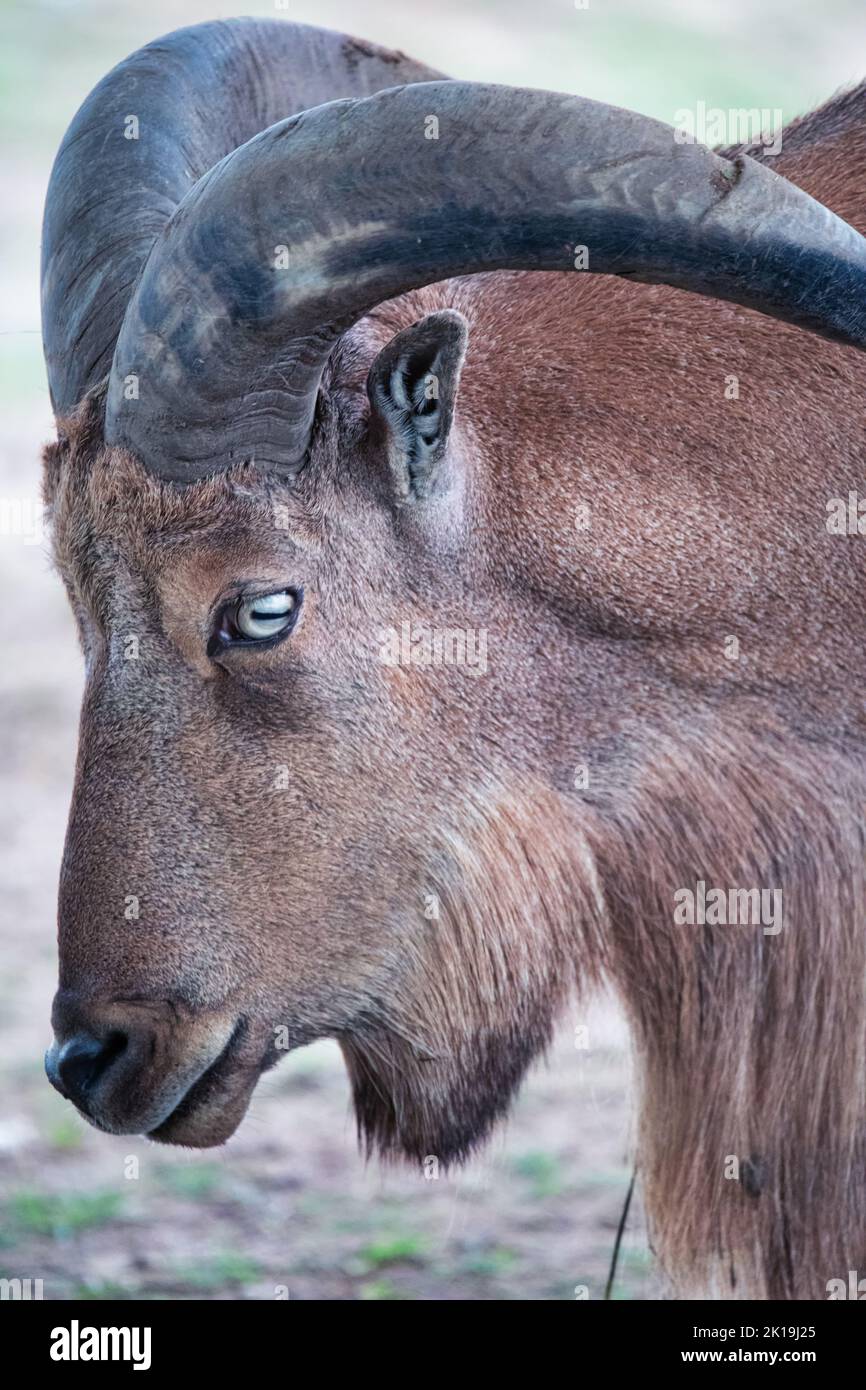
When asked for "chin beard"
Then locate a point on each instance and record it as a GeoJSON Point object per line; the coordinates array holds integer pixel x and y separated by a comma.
{"type": "Point", "coordinates": [412, 1105]}
{"type": "Point", "coordinates": [437, 1057]}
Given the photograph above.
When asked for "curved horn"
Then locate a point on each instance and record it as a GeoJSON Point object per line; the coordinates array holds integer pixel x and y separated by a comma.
{"type": "Point", "coordinates": [228, 343]}
{"type": "Point", "coordinates": [142, 139]}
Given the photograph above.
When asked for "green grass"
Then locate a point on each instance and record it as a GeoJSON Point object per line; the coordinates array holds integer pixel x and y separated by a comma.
{"type": "Point", "coordinates": [65, 1133]}
{"type": "Point", "coordinates": [107, 1291]}
{"type": "Point", "coordinates": [487, 1264]}
{"type": "Point", "coordinates": [636, 1259]}
{"type": "Point", "coordinates": [228, 1267]}
{"type": "Point", "coordinates": [61, 1216]}
{"type": "Point", "coordinates": [393, 1250]}
{"type": "Point", "coordinates": [541, 1171]}
{"type": "Point", "coordinates": [197, 1181]}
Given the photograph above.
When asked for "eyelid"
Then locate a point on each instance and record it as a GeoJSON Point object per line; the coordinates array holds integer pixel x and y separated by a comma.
{"type": "Point", "coordinates": [247, 589]}
{"type": "Point", "coordinates": [269, 610]}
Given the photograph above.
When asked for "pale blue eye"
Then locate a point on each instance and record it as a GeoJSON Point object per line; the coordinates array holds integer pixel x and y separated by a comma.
{"type": "Point", "coordinates": [265, 616]}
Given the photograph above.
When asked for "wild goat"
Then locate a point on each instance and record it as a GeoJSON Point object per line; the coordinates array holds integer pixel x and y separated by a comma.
{"type": "Point", "coordinates": [258, 309]}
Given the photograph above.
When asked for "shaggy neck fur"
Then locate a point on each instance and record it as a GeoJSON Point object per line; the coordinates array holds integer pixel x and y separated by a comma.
{"type": "Point", "coordinates": [750, 1046]}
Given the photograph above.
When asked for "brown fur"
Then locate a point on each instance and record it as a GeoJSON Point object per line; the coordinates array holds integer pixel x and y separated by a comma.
{"type": "Point", "coordinates": [305, 905]}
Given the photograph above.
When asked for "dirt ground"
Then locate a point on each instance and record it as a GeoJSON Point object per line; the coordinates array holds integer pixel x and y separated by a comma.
{"type": "Point", "coordinates": [288, 1207]}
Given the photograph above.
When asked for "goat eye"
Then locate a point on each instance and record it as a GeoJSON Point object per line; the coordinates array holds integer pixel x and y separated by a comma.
{"type": "Point", "coordinates": [256, 619]}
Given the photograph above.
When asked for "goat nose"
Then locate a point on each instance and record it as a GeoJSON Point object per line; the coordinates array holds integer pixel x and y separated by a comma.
{"type": "Point", "coordinates": [75, 1068]}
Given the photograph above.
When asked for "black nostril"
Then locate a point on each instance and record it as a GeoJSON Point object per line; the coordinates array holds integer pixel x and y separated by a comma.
{"type": "Point", "coordinates": [84, 1060]}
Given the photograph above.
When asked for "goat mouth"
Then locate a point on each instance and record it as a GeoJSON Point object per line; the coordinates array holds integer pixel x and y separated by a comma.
{"type": "Point", "coordinates": [213, 1107]}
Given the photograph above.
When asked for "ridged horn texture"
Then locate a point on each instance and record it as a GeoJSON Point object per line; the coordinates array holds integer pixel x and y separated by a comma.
{"type": "Point", "coordinates": [229, 345]}
{"type": "Point", "coordinates": [196, 95]}
{"type": "Point", "coordinates": [302, 230]}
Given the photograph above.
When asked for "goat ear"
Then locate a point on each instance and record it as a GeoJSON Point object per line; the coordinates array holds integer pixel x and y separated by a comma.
{"type": "Point", "coordinates": [412, 387]}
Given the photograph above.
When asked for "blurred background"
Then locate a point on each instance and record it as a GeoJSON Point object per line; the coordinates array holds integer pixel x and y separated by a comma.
{"type": "Point", "coordinates": [288, 1203]}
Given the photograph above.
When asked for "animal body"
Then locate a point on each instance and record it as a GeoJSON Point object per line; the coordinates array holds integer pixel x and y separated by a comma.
{"type": "Point", "coordinates": [451, 610]}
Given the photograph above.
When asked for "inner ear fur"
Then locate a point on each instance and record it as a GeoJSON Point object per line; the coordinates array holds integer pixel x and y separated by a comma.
{"type": "Point", "coordinates": [412, 386]}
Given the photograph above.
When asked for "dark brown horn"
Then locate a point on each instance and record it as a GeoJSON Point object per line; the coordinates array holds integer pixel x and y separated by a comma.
{"type": "Point", "coordinates": [226, 346]}
{"type": "Point", "coordinates": [196, 95]}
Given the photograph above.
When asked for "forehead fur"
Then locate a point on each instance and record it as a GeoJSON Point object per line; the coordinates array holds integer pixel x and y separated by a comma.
{"type": "Point", "coordinates": [103, 504]}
